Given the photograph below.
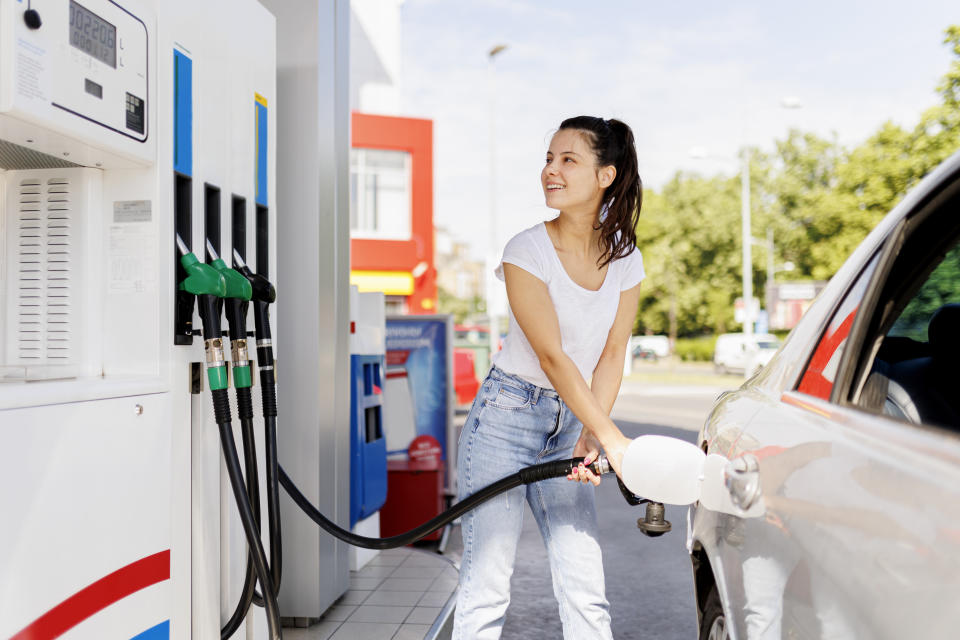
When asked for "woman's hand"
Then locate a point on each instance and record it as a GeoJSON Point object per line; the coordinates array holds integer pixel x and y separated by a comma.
{"type": "Point", "coordinates": [615, 447]}
{"type": "Point", "coordinates": [589, 447]}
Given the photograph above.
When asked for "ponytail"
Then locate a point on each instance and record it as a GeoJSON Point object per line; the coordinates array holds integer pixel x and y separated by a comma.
{"type": "Point", "coordinates": [613, 144]}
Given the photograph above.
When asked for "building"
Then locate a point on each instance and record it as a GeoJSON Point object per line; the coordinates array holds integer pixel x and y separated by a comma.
{"type": "Point", "coordinates": [457, 272]}
{"type": "Point", "coordinates": [391, 169]}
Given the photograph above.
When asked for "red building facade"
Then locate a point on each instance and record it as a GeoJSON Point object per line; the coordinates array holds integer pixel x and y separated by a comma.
{"type": "Point", "coordinates": [391, 220]}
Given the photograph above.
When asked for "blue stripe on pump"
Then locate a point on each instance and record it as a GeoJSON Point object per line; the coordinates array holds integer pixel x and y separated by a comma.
{"type": "Point", "coordinates": [261, 105]}
{"type": "Point", "coordinates": [159, 632]}
{"type": "Point", "coordinates": [182, 114]}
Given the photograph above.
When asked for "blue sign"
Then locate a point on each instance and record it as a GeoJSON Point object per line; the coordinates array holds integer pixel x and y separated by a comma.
{"type": "Point", "coordinates": [763, 322]}
{"type": "Point", "coordinates": [419, 348]}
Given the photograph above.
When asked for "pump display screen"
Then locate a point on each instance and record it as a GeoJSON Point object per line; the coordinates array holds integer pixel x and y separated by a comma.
{"type": "Point", "coordinates": [93, 35]}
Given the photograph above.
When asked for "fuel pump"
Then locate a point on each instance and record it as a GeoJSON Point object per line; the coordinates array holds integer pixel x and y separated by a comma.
{"type": "Point", "coordinates": [120, 121]}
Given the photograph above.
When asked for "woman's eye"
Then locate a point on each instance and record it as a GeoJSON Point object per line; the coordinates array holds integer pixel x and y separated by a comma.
{"type": "Point", "coordinates": [568, 160]}
{"type": "Point", "coordinates": [547, 161]}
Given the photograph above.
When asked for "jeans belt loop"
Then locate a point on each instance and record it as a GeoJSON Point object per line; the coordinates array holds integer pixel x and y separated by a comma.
{"type": "Point", "coordinates": [536, 394]}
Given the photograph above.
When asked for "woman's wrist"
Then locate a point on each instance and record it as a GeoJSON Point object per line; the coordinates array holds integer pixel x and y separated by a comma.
{"type": "Point", "coordinates": [609, 435]}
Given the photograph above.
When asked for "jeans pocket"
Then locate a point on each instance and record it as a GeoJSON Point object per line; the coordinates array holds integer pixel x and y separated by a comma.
{"type": "Point", "coordinates": [510, 398]}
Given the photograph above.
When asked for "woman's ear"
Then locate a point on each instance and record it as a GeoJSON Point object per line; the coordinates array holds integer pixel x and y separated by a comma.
{"type": "Point", "coordinates": [606, 175]}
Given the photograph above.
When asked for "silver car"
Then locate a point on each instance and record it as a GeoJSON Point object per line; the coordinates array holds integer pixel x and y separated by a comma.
{"type": "Point", "coordinates": [844, 452]}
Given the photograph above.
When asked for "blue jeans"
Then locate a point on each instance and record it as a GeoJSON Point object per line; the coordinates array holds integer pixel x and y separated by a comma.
{"type": "Point", "coordinates": [514, 424]}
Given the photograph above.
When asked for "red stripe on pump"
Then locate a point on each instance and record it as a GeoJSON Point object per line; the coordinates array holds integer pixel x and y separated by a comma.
{"type": "Point", "coordinates": [97, 596]}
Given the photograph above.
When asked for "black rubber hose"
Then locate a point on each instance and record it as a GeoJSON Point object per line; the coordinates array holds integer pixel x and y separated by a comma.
{"type": "Point", "coordinates": [221, 406]}
{"type": "Point", "coordinates": [534, 473]}
{"type": "Point", "coordinates": [273, 508]}
{"type": "Point", "coordinates": [273, 503]}
{"type": "Point", "coordinates": [248, 593]}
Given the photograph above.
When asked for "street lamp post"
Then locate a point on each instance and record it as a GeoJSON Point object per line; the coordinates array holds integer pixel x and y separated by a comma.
{"type": "Point", "coordinates": [746, 238]}
{"type": "Point", "coordinates": [492, 310]}
{"type": "Point", "coordinates": [789, 102]}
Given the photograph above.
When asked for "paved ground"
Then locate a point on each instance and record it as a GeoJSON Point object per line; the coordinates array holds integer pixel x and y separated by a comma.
{"type": "Point", "coordinates": [649, 582]}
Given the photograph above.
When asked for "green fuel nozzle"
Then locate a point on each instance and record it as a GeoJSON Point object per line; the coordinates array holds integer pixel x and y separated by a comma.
{"type": "Point", "coordinates": [209, 286]}
{"type": "Point", "coordinates": [237, 299]}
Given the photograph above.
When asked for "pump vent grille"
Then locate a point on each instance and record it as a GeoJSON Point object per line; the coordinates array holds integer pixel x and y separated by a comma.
{"type": "Point", "coordinates": [45, 275]}
{"type": "Point", "coordinates": [14, 156]}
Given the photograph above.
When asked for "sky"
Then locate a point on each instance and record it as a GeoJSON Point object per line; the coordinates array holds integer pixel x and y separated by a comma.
{"type": "Point", "coordinates": [682, 74]}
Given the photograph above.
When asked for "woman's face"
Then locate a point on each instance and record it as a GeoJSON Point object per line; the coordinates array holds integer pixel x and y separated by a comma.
{"type": "Point", "coordinates": [570, 176]}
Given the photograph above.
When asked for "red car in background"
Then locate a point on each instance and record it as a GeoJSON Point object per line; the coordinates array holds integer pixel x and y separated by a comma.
{"type": "Point", "coordinates": [465, 383]}
{"type": "Point", "coordinates": [471, 360]}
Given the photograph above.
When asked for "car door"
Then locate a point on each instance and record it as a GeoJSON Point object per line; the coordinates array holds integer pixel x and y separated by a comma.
{"type": "Point", "coordinates": [856, 530]}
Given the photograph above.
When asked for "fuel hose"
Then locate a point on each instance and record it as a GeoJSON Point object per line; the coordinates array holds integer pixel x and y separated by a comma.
{"type": "Point", "coordinates": [221, 407]}
{"type": "Point", "coordinates": [527, 475]}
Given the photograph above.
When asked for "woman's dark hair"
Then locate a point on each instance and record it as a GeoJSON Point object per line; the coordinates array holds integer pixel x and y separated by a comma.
{"type": "Point", "coordinates": [612, 142]}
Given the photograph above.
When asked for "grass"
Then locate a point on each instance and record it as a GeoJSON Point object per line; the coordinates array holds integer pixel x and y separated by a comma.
{"type": "Point", "coordinates": [674, 371]}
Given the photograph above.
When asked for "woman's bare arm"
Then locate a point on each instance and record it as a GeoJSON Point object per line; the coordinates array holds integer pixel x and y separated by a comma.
{"type": "Point", "coordinates": [608, 374]}
{"type": "Point", "coordinates": [532, 307]}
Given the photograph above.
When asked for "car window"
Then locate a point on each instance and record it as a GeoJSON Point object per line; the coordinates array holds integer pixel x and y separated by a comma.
{"type": "Point", "coordinates": [914, 376]}
{"type": "Point", "coordinates": [941, 288]}
{"type": "Point", "coordinates": [821, 371]}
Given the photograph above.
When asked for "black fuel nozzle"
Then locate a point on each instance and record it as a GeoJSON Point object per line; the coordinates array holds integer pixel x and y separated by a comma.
{"type": "Point", "coordinates": [264, 294]}
{"type": "Point", "coordinates": [632, 499]}
{"type": "Point", "coordinates": [653, 523]}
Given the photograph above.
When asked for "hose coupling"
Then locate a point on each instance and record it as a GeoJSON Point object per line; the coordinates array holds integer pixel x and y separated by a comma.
{"type": "Point", "coordinates": [601, 465]}
{"type": "Point", "coordinates": [214, 351]}
{"type": "Point", "coordinates": [238, 349]}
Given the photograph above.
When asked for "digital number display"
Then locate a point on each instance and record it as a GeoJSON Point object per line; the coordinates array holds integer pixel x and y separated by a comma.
{"type": "Point", "coordinates": [93, 35]}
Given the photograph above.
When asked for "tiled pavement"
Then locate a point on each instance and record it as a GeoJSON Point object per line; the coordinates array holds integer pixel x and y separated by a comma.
{"type": "Point", "coordinates": [399, 595]}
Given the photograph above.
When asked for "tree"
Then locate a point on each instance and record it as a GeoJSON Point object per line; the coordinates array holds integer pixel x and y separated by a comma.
{"type": "Point", "coordinates": [819, 199]}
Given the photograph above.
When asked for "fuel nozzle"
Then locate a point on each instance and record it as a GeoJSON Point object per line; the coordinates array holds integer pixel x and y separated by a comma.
{"type": "Point", "coordinates": [237, 298]}
{"type": "Point", "coordinates": [209, 286]}
{"type": "Point", "coordinates": [264, 294]}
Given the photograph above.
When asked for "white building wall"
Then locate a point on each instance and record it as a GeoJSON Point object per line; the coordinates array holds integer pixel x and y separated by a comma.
{"type": "Point", "coordinates": [375, 56]}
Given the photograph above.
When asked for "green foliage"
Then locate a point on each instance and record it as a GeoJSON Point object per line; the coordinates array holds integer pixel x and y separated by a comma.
{"type": "Point", "coordinates": [819, 199]}
{"type": "Point", "coordinates": [696, 349]}
{"type": "Point", "coordinates": [460, 309]}
{"type": "Point", "coordinates": [940, 288]}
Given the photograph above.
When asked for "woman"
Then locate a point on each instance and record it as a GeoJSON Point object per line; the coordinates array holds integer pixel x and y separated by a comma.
{"type": "Point", "coordinates": [573, 284]}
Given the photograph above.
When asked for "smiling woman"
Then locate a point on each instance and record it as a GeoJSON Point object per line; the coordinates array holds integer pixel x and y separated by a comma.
{"type": "Point", "coordinates": [573, 283]}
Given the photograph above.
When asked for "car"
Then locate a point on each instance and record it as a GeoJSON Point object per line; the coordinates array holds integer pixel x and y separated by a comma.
{"type": "Point", "coordinates": [841, 457]}
{"type": "Point", "coordinates": [760, 356]}
{"type": "Point", "coordinates": [658, 344]}
{"type": "Point", "coordinates": [740, 353]}
{"type": "Point", "coordinates": [465, 383]}
{"type": "Point", "coordinates": [641, 352]}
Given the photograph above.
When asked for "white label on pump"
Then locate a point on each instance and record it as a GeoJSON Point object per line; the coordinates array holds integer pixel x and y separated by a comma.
{"type": "Point", "coordinates": [31, 71]}
{"type": "Point", "coordinates": [132, 247]}
{"type": "Point", "coordinates": [132, 211]}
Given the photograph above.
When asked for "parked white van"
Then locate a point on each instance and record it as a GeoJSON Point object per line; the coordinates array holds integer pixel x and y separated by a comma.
{"type": "Point", "coordinates": [735, 352]}
{"type": "Point", "coordinates": [660, 345]}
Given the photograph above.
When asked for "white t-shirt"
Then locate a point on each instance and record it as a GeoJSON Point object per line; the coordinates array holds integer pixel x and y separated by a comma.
{"type": "Point", "coordinates": [585, 316]}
